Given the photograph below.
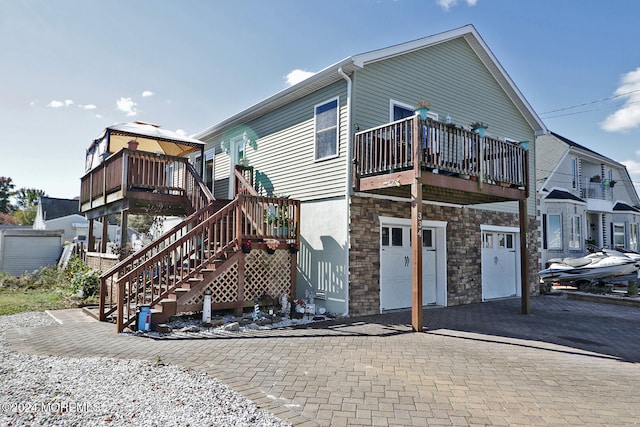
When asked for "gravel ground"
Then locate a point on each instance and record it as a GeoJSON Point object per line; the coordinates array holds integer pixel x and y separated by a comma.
{"type": "Point", "coordinates": [59, 391]}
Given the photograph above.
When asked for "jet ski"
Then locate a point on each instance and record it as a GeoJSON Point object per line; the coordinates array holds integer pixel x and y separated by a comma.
{"type": "Point", "coordinates": [602, 264]}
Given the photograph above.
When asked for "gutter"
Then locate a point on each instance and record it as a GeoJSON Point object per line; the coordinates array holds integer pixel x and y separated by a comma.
{"type": "Point", "coordinates": [347, 192]}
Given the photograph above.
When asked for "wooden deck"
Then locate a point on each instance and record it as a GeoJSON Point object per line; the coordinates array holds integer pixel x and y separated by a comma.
{"type": "Point", "coordinates": [142, 182]}
{"type": "Point", "coordinates": [458, 166]}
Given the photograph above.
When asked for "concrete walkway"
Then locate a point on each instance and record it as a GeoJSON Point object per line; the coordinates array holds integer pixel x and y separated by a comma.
{"type": "Point", "coordinates": [568, 363]}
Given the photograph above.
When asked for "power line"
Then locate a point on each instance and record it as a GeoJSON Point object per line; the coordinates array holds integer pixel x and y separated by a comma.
{"type": "Point", "coordinates": [590, 102]}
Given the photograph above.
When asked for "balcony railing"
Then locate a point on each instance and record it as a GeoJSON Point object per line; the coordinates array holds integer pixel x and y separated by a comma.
{"type": "Point", "coordinates": [596, 190]}
{"type": "Point", "coordinates": [447, 148]}
{"type": "Point", "coordinates": [130, 171]}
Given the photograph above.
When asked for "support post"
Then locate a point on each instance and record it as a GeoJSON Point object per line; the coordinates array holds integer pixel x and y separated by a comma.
{"type": "Point", "coordinates": [416, 228]}
{"type": "Point", "coordinates": [91, 240]}
{"type": "Point", "coordinates": [123, 234]}
{"type": "Point", "coordinates": [524, 256]}
{"type": "Point", "coordinates": [105, 235]}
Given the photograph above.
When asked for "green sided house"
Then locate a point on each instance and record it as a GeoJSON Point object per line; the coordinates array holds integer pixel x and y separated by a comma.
{"type": "Point", "coordinates": [337, 188]}
{"type": "Point", "coordinates": [347, 143]}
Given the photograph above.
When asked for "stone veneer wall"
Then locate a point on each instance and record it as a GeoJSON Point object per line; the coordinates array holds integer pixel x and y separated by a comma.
{"type": "Point", "coordinates": [464, 278]}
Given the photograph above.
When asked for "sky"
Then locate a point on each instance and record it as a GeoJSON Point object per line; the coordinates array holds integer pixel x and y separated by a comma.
{"type": "Point", "coordinates": [70, 68]}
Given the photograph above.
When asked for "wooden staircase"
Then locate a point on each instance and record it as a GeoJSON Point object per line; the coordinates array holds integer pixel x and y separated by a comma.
{"type": "Point", "coordinates": [170, 273]}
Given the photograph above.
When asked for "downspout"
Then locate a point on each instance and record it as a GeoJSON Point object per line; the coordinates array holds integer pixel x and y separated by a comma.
{"type": "Point", "coordinates": [347, 192]}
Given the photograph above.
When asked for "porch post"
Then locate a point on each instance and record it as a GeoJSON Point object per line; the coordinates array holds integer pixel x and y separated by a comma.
{"type": "Point", "coordinates": [123, 234]}
{"type": "Point", "coordinates": [416, 228]}
{"type": "Point", "coordinates": [524, 256]}
{"type": "Point", "coordinates": [105, 235]}
{"type": "Point", "coordinates": [91, 241]}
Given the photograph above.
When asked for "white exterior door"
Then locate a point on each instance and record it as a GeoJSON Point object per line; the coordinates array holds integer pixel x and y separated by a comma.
{"type": "Point", "coordinates": [396, 262]}
{"type": "Point", "coordinates": [500, 263]}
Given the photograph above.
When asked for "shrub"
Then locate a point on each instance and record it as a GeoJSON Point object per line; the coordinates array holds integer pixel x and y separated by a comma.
{"type": "Point", "coordinates": [86, 284]}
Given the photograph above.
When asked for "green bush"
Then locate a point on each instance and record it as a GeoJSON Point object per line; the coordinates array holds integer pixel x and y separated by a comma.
{"type": "Point", "coordinates": [86, 284]}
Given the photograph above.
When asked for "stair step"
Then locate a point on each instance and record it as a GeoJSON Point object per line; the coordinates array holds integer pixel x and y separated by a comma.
{"type": "Point", "coordinates": [177, 293]}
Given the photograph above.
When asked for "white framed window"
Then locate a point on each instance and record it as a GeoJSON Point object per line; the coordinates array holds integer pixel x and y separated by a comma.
{"type": "Point", "coordinates": [618, 235]}
{"type": "Point", "coordinates": [633, 236]}
{"type": "Point", "coordinates": [554, 231]}
{"type": "Point", "coordinates": [575, 232]}
{"type": "Point", "coordinates": [400, 110]}
{"type": "Point", "coordinates": [326, 129]}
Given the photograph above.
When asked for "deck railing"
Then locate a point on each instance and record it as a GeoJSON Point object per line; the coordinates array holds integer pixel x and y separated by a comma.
{"type": "Point", "coordinates": [131, 170]}
{"type": "Point", "coordinates": [387, 148]}
{"type": "Point", "coordinates": [151, 274]}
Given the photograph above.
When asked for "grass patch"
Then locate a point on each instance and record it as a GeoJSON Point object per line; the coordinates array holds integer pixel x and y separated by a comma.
{"type": "Point", "coordinates": [14, 301]}
{"type": "Point", "coordinates": [49, 288]}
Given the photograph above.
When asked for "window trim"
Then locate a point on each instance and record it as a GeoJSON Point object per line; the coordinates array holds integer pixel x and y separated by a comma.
{"type": "Point", "coordinates": [315, 129]}
{"type": "Point", "coordinates": [549, 231]}
{"type": "Point", "coordinates": [633, 236]}
{"type": "Point", "coordinates": [393, 103]}
{"type": "Point", "coordinates": [623, 234]}
{"type": "Point", "coordinates": [572, 234]}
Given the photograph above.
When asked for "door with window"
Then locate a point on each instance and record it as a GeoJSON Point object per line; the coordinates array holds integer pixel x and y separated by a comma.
{"type": "Point", "coordinates": [500, 264]}
{"type": "Point", "coordinates": [396, 271]}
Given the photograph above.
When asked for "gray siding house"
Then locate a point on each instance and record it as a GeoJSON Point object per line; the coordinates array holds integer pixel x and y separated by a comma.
{"type": "Point", "coordinates": [317, 141]}
{"type": "Point", "coordinates": [585, 200]}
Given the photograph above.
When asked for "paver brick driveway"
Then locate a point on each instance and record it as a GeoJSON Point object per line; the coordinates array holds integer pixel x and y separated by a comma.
{"type": "Point", "coordinates": [568, 363]}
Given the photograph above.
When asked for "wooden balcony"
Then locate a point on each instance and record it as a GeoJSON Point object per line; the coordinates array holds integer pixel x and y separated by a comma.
{"type": "Point", "coordinates": [456, 165]}
{"type": "Point", "coordinates": [142, 182]}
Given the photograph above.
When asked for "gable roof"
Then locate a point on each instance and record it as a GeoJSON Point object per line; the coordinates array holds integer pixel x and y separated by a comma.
{"type": "Point", "coordinates": [573, 144]}
{"type": "Point", "coordinates": [53, 208]}
{"type": "Point", "coordinates": [347, 66]}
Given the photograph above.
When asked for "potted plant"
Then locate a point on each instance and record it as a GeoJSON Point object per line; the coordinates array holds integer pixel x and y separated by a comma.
{"type": "Point", "coordinates": [422, 108]}
{"type": "Point", "coordinates": [479, 128]}
{"type": "Point", "coordinates": [246, 246]}
{"type": "Point", "coordinates": [278, 217]}
{"type": "Point", "coordinates": [272, 245]}
{"type": "Point", "coordinates": [293, 247]}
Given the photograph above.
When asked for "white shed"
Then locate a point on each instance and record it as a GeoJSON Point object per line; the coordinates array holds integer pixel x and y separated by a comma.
{"type": "Point", "coordinates": [26, 250]}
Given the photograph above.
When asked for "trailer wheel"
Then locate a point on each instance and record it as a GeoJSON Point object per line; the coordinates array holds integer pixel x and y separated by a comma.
{"type": "Point", "coordinates": [583, 285]}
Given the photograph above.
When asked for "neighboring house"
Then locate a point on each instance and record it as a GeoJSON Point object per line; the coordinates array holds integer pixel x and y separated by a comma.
{"type": "Point", "coordinates": [61, 214]}
{"type": "Point", "coordinates": [64, 214]}
{"type": "Point", "coordinates": [584, 199]}
{"type": "Point", "coordinates": [314, 143]}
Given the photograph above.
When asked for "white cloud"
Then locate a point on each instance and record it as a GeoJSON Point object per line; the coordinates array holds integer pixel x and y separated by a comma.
{"type": "Point", "coordinates": [60, 104]}
{"type": "Point", "coordinates": [147, 93]}
{"type": "Point", "coordinates": [127, 105]}
{"type": "Point", "coordinates": [296, 76]}
{"type": "Point", "coordinates": [88, 107]}
{"type": "Point", "coordinates": [181, 132]}
{"type": "Point", "coordinates": [633, 167]}
{"type": "Point", "coordinates": [628, 116]}
{"type": "Point", "coordinates": [448, 4]}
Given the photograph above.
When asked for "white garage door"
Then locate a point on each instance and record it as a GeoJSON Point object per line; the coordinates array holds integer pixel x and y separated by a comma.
{"type": "Point", "coordinates": [500, 272]}
{"type": "Point", "coordinates": [395, 267]}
